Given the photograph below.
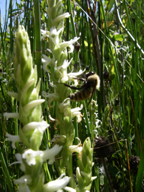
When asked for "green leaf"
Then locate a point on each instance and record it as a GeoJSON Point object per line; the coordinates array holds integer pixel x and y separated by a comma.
{"type": "Point", "coordinates": [118, 37]}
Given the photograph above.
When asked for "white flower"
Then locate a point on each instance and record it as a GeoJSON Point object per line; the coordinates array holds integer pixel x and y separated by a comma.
{"type": "Point", "coordinates": [69, 44]}
{"type": "Point", "coordinates": [54, 36]}
{"type": "Point", "coordinates": [24, 179]}
{"type": "Point", "coordinates": [11, 115]}
{"type": "Point", "coordinates": [50, 154]}
{"type": "Point", "coordinates": [47, 62]}
{"type": "Point", "coordinates": [44, 33]}
{"type": "Point", "coordinates": [22, 182]}
{"type": "Point", "coordinates": [66, 63]}
{"type": "Point", "coordinates": [19, 158]}
{"type": "Point", "coordinates": [64, 106]}
{"type": "Point", "coordinates": [74, 75]}
{"type": "Point", "coordinates": [76, 112]}
{"type": "Point", "coordinates": [93, 178]}
{"type": "Point", "coordinates": [69, 189]}
{"type": "Point", "coordinates": [23, 188]}
{"type": "Point", "coordinates": [30, 155]}
{"type": "Point", "coordinates": [60, 17]}
{"type": "Point", "coordinates": [33, 104]}
{"type": "Point", "coordinates": [51, 97]}
{"type": "Point", "coordinates": [41, 126]}
{"type": "Point", "coordinates": [13, 139]}
{"type": "Point", "coordinates": [76, 148]}
{"type": "Point", "coordinates": [57, 184]}
{"type": "Point", "coordinates": [64, 75]}
{"type": "Point", "coordinates": [13, 94]}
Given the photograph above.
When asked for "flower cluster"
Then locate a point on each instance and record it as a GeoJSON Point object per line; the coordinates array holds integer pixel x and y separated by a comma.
{"type": "Point", "coordinates": [56, 64]}
{"type": "Point", "coordinates": [33, 126]}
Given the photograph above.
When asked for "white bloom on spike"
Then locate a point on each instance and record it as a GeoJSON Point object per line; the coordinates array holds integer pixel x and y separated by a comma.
{"type": "Point", "coordinates": [51, 97]}
{"type": "Point", "coordinates": [30, 155]}
{"type": "Point", "coordinates": [57, 184]}
{"type": "Point", "coordinates": [54, 32]}
{"type": "Point", "coordinates": [69, 189]}
{"type": "Point", "coordinates": [22, 182]}
{"type": "Point", "coordinates": [71, 49]}
{"type": "Point", "coordinates": [54, 35]}
{"type": "Point", "coordinates": [47, 62]}
{"type": "Point", "coordinates": [61, 17]}
{"type": "Point", "coordinates": [75, 112]}
{"type": "Point", "coordinates": [13, 94]}
{"type": "Point", "coordinates": [28, 85]}
{"type": "Point", "coordinates": [64, 70]}
{"type": "Point", "coordinates": [19, 158]}
{"type": "Point", "coordinates": [51, 153]}
{"type": "Point", "coordinates": [23, 188]}
{"type": "Point", "coordinates": [76, 148]}
{"type": "Point", "coordinates": [66, 44]}
{"type": "Point", "coordinates": [11, 115]}
{"type": "Point", "coordinates": [24, 179]}
{"type": "Point", "coordinates": [64, 76]}
{"type": "Point", "coordinates": [33, 104]}
{"type": "Point", "coordinates": [13, 139]}
{"type": "Point", "coordinates": [48, 154]}
{"type": "Point", "coordinates": [76, 74]}
{"type": "Point", "coordinates": [64, 106]}
{"type": "Point", "coordinates": [46, 59]}
{"type": "Point", "coordinates": [44, 33]}
{"type": "Point", "coordinates": [19, 161]}
{"type": "Point", "coordinates": [41, 126]}
{"type": "Point", "coordinates": [93, 178]}
{"type": "Point", "coordinates": [65, 64]}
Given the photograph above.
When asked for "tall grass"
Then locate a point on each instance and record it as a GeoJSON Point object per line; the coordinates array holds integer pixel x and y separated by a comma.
{"type": "Point", "coordinates": [111, 43]}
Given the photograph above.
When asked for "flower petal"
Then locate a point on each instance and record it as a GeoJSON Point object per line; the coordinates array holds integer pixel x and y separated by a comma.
{"type": "Point", "coordinates": [51, 153]}
{"type": "Point", "coordinates": [56, 184]}
{"type": "Point", "coordinates": [36, 125]}
{"type": "Point", "coordinates": [24, 179]}
{"type": "Point", "coordinates": [30, 155]}
{"type": "Point", "coordinates": [69, 189]}
{"type": "Point", "coordinates": [11, 115]}
{"type": "Point", "coordinates": [13, 139]}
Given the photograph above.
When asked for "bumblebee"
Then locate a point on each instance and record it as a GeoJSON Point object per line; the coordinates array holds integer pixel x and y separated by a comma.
{"type": "Point", "coordinates": [91, 81]}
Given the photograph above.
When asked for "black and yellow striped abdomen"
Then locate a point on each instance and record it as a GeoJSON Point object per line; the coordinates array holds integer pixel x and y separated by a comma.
{"type": "Point", "coordinates": [82, 94]}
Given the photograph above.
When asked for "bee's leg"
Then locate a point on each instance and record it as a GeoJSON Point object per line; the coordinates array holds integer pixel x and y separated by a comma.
{"type": "Point", "coordinates": [72, 87]}
{"type": "Point", "coordinates": [80, 79]}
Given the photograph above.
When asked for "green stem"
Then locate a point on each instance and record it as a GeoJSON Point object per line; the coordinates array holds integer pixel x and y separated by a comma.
{"type": "Point", "coordinates": [127, 31]}
{"type": "Point", "coordinates": [6, 172]}
{"type": "Point", "coordinates": [37, 27]}
{"type": "Point", "coordinates": [70, 172]}
{"type": "Point", "coordinates": [72, 20]}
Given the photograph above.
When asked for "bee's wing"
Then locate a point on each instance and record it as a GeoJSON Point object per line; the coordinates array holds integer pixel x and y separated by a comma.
{"type": "Point", "coordinates": [94, 86]}
{"type": "Point", "coordinates": [82, 78]}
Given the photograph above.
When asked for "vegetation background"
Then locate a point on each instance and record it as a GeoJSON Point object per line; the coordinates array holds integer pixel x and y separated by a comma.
{"type": "Point", "coordinates": [112, 44]}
